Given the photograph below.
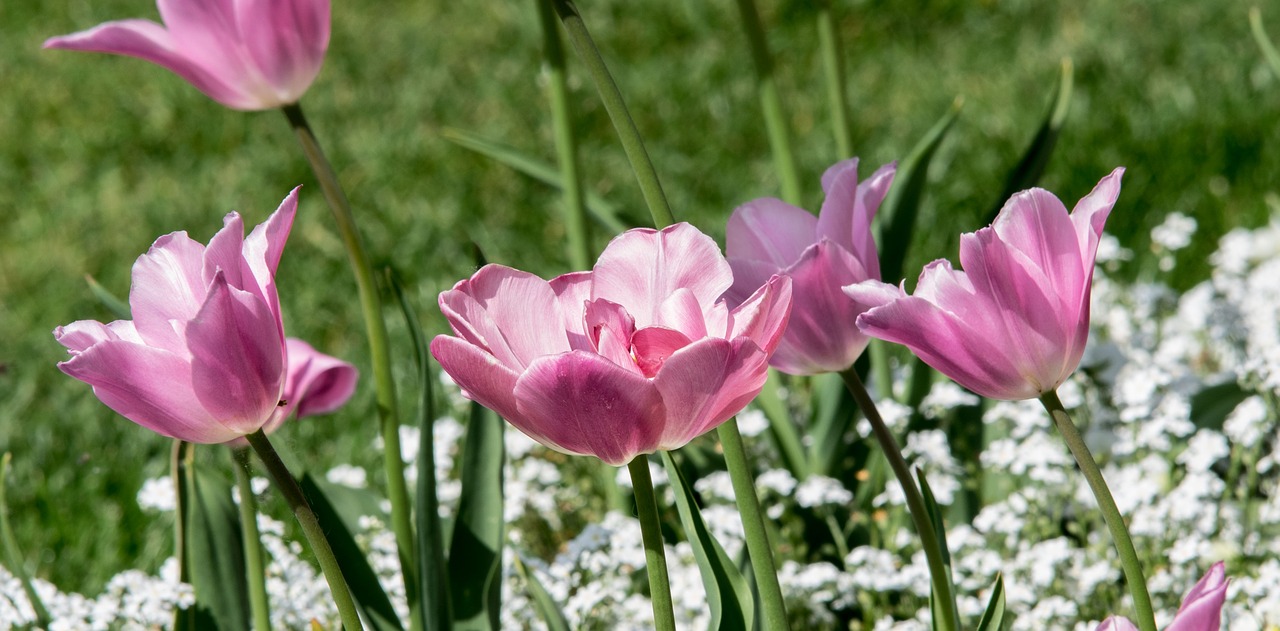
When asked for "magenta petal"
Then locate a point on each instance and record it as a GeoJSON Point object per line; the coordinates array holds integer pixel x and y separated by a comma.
{"type": "Point", "coordinates": [654, 345]}
{"type": "Point", "coordinates": [483, 378]}
{"type": "Point", "coordinates": [287, 40]}
{"type": "Point", "coordinates": [265, 245]}
{"type": "Point", "coordinates": [769, 230]}
{"type": "Point", "coordinates": [818, 336]}
{"type": "Point", "coordinates": [237, 357]}
{"type": "Point", "coordinates": [1117, 623]}
{"type": "Point", "coordinates": [316, 383]}
{"type": "Point", "coordinates": [609, 330]}
{"type": "Point", "coordinates": [641, 267]}
{"type": "Point", "coordinates": [581, 403]}
{"type": "Point", "coordinates": [168, 290]}
{"type": "Point", "coordinates": [149, 386]}
{"type": "Point", "coordinates": [1201, 610]}
{"type": "Point", "coordinates": [707, 382]}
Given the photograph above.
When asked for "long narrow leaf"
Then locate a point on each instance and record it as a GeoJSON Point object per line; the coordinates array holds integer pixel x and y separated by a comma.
{"type": "Point", "coordinates": [781, 428]}
{"type": "Point", "coordinates": [181, 461]}
{"type": "Point", "coordinates": [602, 210]}
{"type": "Point", "coordinates": [940, 530]}
{"type": "Point", "coordinates": [1264, 42]}
{"type": "Point", "coordinates": [993, 617]}
{"type": "Point", "coordinates": [728, 595]}
{"type": "Point", "coordinates": [12, 555]}
{"type": "Point", "coordinates": [338, 508]}
{"type": "Point", "coordinates": [542, 601]}
{"type": "Point", "coordinates": [434, 581]}
{"type": "Point", "coordinates": [214, 542]}
{"type": "Point", "coordinates": [113, 303]}
{"type": "Point", "coordinates": [1034, 160]}
{"type": "Point", "coordinates": [475, 551]}
{"type": "Point", "coordinates": [833, 417]}
{"type": "Point", "coordinates": [897, 216]}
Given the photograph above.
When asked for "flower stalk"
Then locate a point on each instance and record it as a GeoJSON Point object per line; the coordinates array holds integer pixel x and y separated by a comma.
{"type": "Point", "coordinates": [255, 569]}
{"type": "Point", "coordinates": [774, 119]}
{"type": "Point", "coordinates": [664, 618]}
{"type": "Point", "coordinates": [1110, 513]}
{"type": "Point", "coordinates": [292, 493]}
{"type": "Point", "coordinates": [379, 350]}
{"type": "Point", "coordinates": [944, 601]}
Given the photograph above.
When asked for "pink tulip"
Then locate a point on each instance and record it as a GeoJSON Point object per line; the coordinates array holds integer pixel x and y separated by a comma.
{"type": "Point", "coordinates": [637, 355]}
{"type": "Point", "coordinates": [204, 357]}
{"type": "Point", "coordinates": [820, 254]}
{"type": "Point", "coordinates": [1201, 610]}
{"type": "Point", "coordinates": [1014, 323]}
{"type": "Point", "coordinates": [244, 54]}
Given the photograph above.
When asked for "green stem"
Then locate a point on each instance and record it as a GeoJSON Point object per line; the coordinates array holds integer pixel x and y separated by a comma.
{"type": "Point", "coordinates": [12, 557]}
{"type": "Point", "coordinates": [650, 187]}
{"type": "Point", "coordinates": [878, 350]}
{"type": "Point", "coordinates": [380, 353]}
{"type": "Point", "coordinates": [775, 123]}
{"type": "Point", "coordinates": [944, 600]}
{"type": "Point", "coordinates": [180, 462]}
{"type": "Point", "coordinates": [772, 606]}
{"type": "Point", "coordinates": [833, 69]}
{"type": "Point", "coordinates": [253, 563]}
{"type": "Point", "coordinates": [288, 487]}
{"type": "Point", "coordinates": [1110, 513]}
{"type": "Point", "coordinates": [575, 210]}
{"type": "Point", "coordinates": [655, 554]}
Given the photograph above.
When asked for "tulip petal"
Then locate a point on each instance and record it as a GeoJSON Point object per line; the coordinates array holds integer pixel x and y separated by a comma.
{"type": "Point", "coordinates": [654, 345]}
{"type": "Point", "coordinates": [763, 317]}
{"type": "Point", "coordinates": [1117, 623]}
{"type": "Point", "coordinates": [225, 253]}
{"type": "Point", "coordinates": [513, 314]}
{"type": "Point", "coordinates": [1037, 225]}
{"type": "Point", "coordinates": [836, 219]}
{"type": "Point", "coordinates": [149, 386]}
{"type": "Point", "coordinates": [769, 230]}
{"type": "Point", "coordinates": [573, 290]}
{"type": "Point", "coordinates": [1091, 212]}
{"type": "Point", "coordinates": [609, 329]}
{"type": "Point", "coordinates": [237, 357]}
{"type": "Point", "coordinates": [287, 40]}
{"type": "Point", "coordinates": [641, 267]}
{"type": "Point", "coordinates": [265, 244]}
{"type": "Point", "coordinates": [1201, 610]}
{"type": "Point", "coordinates": [483, 378]}
{"type": "Point", "coordinates": [581, 403]}
{"type": "Point", "coordinates": [82, 334]}
{"type": "Point", "coordinates": [705, 383]}
{"type": "Point", "coordinates": [316, 383]}
{"type": "Point", "coordinates": [681, 312]}
{"type": "Point", "coordinates": [168, 290]}
{"type": "Point", "coordinates": [819, 337]}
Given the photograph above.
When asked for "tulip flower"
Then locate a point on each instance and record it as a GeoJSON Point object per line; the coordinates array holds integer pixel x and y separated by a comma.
{"type": "Point", "coordinates": [246, 55]}
{"type": "Point", "coordinates": [1014, 323]}
{"type": "Point", "coordinates": [204, 357]}
{"type": "Point", "coordinates": [1201, 610]}
{"type": "Point", "coordinates": [821, 254]}
{"type": "Point", "coordinates": [640, 354]}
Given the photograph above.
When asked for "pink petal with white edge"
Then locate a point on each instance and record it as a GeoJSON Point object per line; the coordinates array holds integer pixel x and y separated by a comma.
{"type": "Point", "coordinates": [836, 219]}
{"type": "Point", "coordinates": [769, 230]}
{"type": "Point", "coordinates": [237, 358]}
{"type": "Point", "coordinates": [1036, 224]}
{"type": "Point", "coordinates": [483, 378]}
{"type": "Point", "coordinates": [764, 316]}
{"type": "Point", "coordinates": [581, 403]}
{"type": "Point", "coordinates": [264, 246]}
{"type": "Point", "coordinates": [82, 334]}
{"type": "Point", "coordinates": [514, 314]}
{"type": "Point", "coordinates": [707, 382]}
{"type": "Point", "coordinates": [1117, 623]}
{"type": "Point", "coordinates": [1091, 212]}
{"type": "Point", "coordinates": [1201, 610]}
{"type": "Point", "coordinates": [225, 253]}
{"type": "Point", "coordinates": [149, 386]}
{"type": "Point", "coordinates": [573, 290]}
{"type": "Point", "coordinates": [168, 290]}
{"type": "Point", "coordinates": [641, 267]}
{"type": "Point", "coordinates": [681, 312]}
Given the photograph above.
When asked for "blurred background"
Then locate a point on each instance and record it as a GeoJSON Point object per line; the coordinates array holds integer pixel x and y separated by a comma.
{"type": "Point", "coordinates": [101, 155]}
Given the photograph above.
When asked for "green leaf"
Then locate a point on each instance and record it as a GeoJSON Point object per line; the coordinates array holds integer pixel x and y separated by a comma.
{"type": "Point", "coordinates": [940, 530]}
{"type": "Point", "coordinates": [475, 550]}
{"type": "Point", "coordinates": [600, 209]}
{"type": "Point", "coordinates": [993, 617]}
{"type": "Point", "coordinates": [834, 411]}
{"type": "Point", "coordinates": [1264, 42]}
{"type": "Point", "coordinates": [728, 595]}
{"type": "Point", "coordinates": [1211, 406]}
{"type": "Point", "coordinates": [542, 602]}
{"type": "Point", "coordinates": [339, 508]}
{"type": "Point", "coordinates": [13, 558]}
{"type": "Point", "coordinates": [113, 303]}
{"type": "Point", "coordinates": [214, 545]}
{"type": "Point", "coordinates": [782, 430]}
{"type": "Point", "coordinates": [434, 583]}
{"type": "Point", "coordinates": [897, 217]}
{"type": "Point", "coordinates": [1034, 160]}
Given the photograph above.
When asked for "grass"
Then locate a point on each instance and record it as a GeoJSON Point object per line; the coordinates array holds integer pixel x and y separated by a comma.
{"type": "Point", "coordinates": [100, 155]}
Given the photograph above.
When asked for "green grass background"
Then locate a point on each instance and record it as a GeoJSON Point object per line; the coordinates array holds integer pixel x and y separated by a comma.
{"type": "Point", "coordinates": [100, 155]}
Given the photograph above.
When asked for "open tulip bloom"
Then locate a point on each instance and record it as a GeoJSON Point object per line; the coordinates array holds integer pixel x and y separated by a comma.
{"type": "Point", "coordinates": [638, 355]}
{"type": "Point", "coordinates": [820, 254]}
{"type": "Point", "coordinates": [1014, 323]}
{"type": "Point", "coordinates": [244, 54]}
{"type": "Point", "coordinates": [204, 358]}
{"type": "Point", "coordinates": [1201, 610]}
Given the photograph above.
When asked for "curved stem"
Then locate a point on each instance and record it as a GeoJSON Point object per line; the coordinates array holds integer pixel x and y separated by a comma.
{"type": "Point", "coordinates": [655, 555]}
{"type": "Point", "coordinates": [292, 493]}
{"type": "Point", "coordinates": [775, 122]}
{"type": "Point", "coordinates": [379, 351]}
{"type": "Point", "coordinates": [944, 600]}
{"type": "Point", "coordinates": [254, 567]}
{"type": "Point", "coordinates": [772, 605]}
{"type": "Point", "coordinates": [617, 109]}
{"type": "Point", "coordinates": [1110, 513]}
